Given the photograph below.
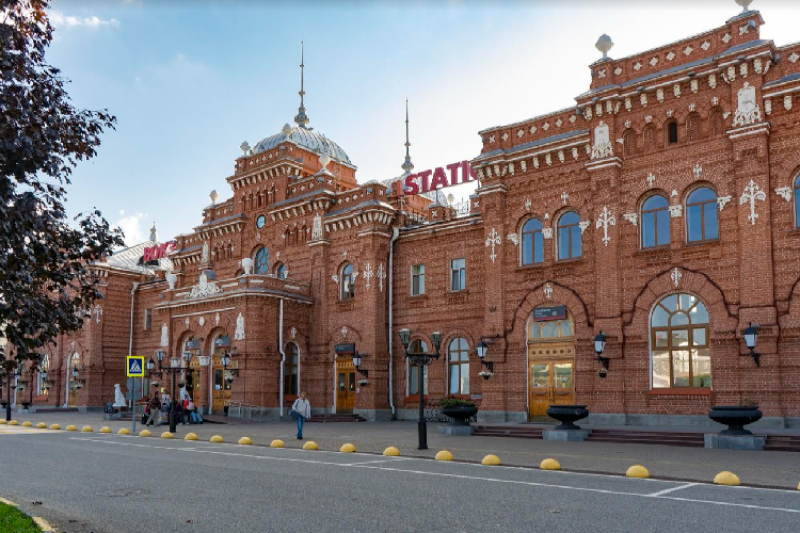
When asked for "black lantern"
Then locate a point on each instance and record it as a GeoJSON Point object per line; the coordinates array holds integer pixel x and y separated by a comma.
{"type": "Point", "coordinates": [482, 349]}
{"type": "Point", "coordinates": [357, 359]}
{"type": "Point", "coordinates": [751, 339]}
{"type": "Point", "coordinates": [160, 354]}
{"type": "Point", "coordinates": [599, 348]}
{"type": "Point", "coordinates": [405, 337]}
{"type": "Point", "coordinates": [225, 359]}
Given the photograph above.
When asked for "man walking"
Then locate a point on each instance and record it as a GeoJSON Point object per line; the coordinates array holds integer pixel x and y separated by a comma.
{"type": "Point", "coordinates": [155, 409]}
{"type": "Point", "coordinates": [302, 410]}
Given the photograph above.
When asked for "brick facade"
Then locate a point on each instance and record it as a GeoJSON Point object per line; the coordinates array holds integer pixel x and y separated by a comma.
{"type": "Point", "coordinates": [318, 219]}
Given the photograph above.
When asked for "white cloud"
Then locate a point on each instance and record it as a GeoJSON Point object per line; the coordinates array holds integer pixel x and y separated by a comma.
{"type": "Point", "coordinates": [132, 227]}
{"type": "Point", "coordinates": [58, 19]}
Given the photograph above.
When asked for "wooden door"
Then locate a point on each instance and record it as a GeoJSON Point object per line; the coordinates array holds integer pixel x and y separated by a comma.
{"type": "Point", "coordinates": [551, 383]}
{"type": "Point", "coordinates": [345, 387]}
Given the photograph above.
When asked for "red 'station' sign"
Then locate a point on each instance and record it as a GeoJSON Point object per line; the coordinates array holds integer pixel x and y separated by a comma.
{"type": "Point", "coordinates": [158, 251]}
{"type": "Point", "coordinates": [438, 178]}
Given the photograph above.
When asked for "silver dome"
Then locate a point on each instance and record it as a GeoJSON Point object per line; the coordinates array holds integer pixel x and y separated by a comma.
{"type": "Point", "coordinates": [316, 142]}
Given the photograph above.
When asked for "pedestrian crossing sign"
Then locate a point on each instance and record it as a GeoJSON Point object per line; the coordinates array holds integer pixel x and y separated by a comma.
{"type": "Point", "coordinates": [135, 366]}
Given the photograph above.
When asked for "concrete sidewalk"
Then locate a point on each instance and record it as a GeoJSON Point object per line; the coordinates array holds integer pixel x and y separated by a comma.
{"type": "Point", "coordinates": [765, 469]}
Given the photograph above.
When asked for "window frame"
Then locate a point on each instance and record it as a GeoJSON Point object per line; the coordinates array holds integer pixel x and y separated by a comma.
{"type": "Point", "coordinates": [458, 274]}
{"type": "Point", "coordinates": [796, 190]}
{"type": "Point", "coordinates": [418, 278]}
{"type": "Point", "coordinates": [655, 211]}
{"type": "Point", "coordinates": [289, 365]}
{"type": "Point", "coordinates": [148, 319]}
{"type": "Point", "coordinates": [279, 270]}
{"type": "Point", "coordinates": [570, 228]}
{"type": "Point", "coordinates": [261, 261]}
{"type": "Point", "coordinates": [701, 204]}
{"type": "Point", "coordinates": [690, 327]}
{"type": "Point", "coordinates": [455, 367]}
{"type": "Point", "coordinates": [534, 233]}
{"type": "Point", "coordinates": [672, 127]}
{"type": "Point", "coordinates": [347, 290]}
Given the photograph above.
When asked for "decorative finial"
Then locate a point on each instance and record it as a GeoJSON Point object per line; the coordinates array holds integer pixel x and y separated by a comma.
{"type": "Point", "coordinates": [214, 195]}
{"type": "Point", "coordinates": [745, 5]}
{"type": "Point", "coordinates": [154, 233]}
{"type": "Point", "coordinates": [244, 147]}
{"type": "Point", "coordinates": [604, 44]}
{"type": "Point", "coordinates": [286, 130]}
{"type": "Point", "coordinates": [407, 166]}
{"type": "Point", "coordinates": [324, 160]}
{"type": "Point", "coordinates": [301, 119]}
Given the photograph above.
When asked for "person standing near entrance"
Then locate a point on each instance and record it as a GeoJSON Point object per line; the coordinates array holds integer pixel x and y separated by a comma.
{"type": "Point", "coordinates": [155, 410]}
{"type": "Point", "coordinates": [302, 408]}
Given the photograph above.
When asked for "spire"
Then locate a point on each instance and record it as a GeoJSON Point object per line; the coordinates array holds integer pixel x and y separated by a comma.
{"type": "Point", "coordinates": [408, 166]}
{"type": "Point", "coordinates": [154, 233]}
{"type": "Point", "coordinates": [301, 119]}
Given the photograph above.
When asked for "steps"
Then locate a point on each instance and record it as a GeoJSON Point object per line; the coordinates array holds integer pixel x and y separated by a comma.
{"type": "Point", "coordinates": [689, 440]}
{"type": "Point", "coordinates": [781, 443]}
{"type": "Point", "coordinates": [523, 432]}
{"type": "Point", "coordinates": [330, 418]}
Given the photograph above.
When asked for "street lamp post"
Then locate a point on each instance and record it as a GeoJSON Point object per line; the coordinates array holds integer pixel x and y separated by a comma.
{"type": "Point", "coordinates": [175, 369]}
{"type": "Point", "coordinates": [421, 360]}
{"type": "Point", "coordinates": [10, 370]}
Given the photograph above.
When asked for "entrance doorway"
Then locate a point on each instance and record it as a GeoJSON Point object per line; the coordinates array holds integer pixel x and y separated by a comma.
{"type": "Point", "coordinates": [551, 366]}
{"type": "Point", "coordinates": [345, 386]}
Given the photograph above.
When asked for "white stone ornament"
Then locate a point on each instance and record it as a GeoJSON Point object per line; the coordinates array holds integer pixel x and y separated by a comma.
{"type": "Point", "coordinates": [602, 146]}
{"type": "Point", "coordinates": [651, 179]}
{"type": "Point", "coordinates": [505, 136]}
{"type": "Point", "coordinates": [514, 238]}
{"type": "Point", "coordinates": [548, 291]}
{"type": "Point", "coordinates": [205, 255]}
{"type": "Point", "coordinates": [747, 110]}
{"type": "Point", "coordinates": [164, 335]}
{"type": "Point", "coordinates": [706, 45]}
{"type": "Point", "coordinates": [119, 398]}
{"type": "Point", "coordinates": [98, 312]}
{"type": "Point", "coordinates": [216, 319]}
{"type": "Point", "coordinates": [698, 171]}
{"type": "Point", "coordinates": [172, 279]}
{"type": "Point", "coordinates": [752, 194]}
{"type": "Point", "coordinates": [528, 205]}
{"type": "Point", "coordinates": [676, 276]}
{"type": "Point", "coordinates": [768, 106]}
{"type": "Point", "coordinates": [787, 102]}
{"type": "Point", "coordinates": [381, 275]}
{"type": "Point", "coordinates": [618, 71]}
{"type": "Point", "coordinates": [660, 95]}
{"type": "Point", "coordinates": [637, 66]}
{"type": "Point", "coordinates": [583, 225]}
{"type": "Point", "coordinates": [239, 334]}
{"type": "Point", "coordinates": [564, 198]}
{"type": "Point", "coordinates": [368, 273]}
{"type": "Point", "coordinates": [493, 240]}
{"type": "Point", "coordinates": [785, 193]}
{"type": "Point", "coordinates": [547, 233]}
{"type": "Point", "coordinates": [201, 321]}
{"type": "Point", "coordinates": [633, 218]}
{"type": "Point", "coordinates": [293, 333]}
{"type": "Point", "coordinates": [694, 85]}
{"type": "Point", "coordinates": [675, 211]}
{"type": "Point", "coordinates": [187, 322]}
{"type": "Point", "coordinates": [688, 50]}
{"type": "Point", "coordinates": [335, 278]}
{"type": "Point", "coordinates": [316, 228]}
{"type": "Point", "coordinates": [794, 57]}
{"type": "Point", "coordinates": [643, 99]}
{"type": "Point", "coordinates": [722, 201]}
{"type": "Point", "coordinates": [712, 81]}
{"type": "Point", "coordinates": [204, 288]}
{"type": "Point", "coordinates": [726, 38]}
{"type": "Point", "coordinates": [344, 333]}
{"type": "Point", "coordinates": [606, 220]}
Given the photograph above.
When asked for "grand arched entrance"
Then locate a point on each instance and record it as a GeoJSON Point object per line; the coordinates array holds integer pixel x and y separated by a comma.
{"type": "Point", "coordinates": [551, 360]}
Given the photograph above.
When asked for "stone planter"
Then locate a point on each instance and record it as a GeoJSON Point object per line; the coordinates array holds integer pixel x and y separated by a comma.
{"type": "Point", "coordinates": [735, 417]}
{"type": "Point", "coordinates": [460, 415]}
{"type": "Point", "coordinates": [567, 415]}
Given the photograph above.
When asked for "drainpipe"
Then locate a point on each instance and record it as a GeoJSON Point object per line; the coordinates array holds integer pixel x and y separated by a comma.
{"type": "Point", "coordinates": [130, 343]}
{"type": "Point", "coordinates": [395, 235]}
{"type": "Point", "coordinates": [280, 350]}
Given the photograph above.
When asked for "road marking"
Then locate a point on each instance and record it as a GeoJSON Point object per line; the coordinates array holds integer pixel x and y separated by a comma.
{"type": "Point", "coordinates": [673, 489]}
{"type": "Point", "coordinates": [392, 460]}
{"type": "Point", "coordinates": [8, 502]}
{"type": "Point", "coordinates": [43, 524]}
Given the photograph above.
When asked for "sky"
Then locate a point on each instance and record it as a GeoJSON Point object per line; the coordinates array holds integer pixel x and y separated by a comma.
{"type": "Point", "coordinates": [189, 81]}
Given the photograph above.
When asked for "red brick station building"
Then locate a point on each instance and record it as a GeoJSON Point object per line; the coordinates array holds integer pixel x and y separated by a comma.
{"type": "Point", "coordinates": [662, 209]}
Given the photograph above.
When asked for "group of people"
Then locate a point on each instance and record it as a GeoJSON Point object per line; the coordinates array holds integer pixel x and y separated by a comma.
{"type": "Point", "coordinates": [159, 405]}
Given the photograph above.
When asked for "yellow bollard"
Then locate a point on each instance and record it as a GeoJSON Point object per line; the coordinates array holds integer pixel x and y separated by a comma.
{"type": "Point", "coordinates": [87, 429]}
{"type": "Point", "coordinates": [347, 448]}
{"type": "Point", "coordinates": [190, 436]}
{"type": "Point", "coordinates": [638, 471]}
{"type": "Point", "coordinates": [167, 435]}
{"type": "Point", "coordinates": [727, 478]}
{"type": "Point", "coordinates": [13, 423]}
{"type": "Point", "coordinates": [41, 425]}
{"type": "Point", "coordinates": [105, 429]}
{"type": "Point", "coordinates": [55, 427]}
{"type": "Point", "coordinates": [124, 431]}
{"type": "Point", "coordinates": [444, 455]}
{"type": "Point", "coordinates": [310, 445]}
{"type": "Point", "coordinates": [246, 441]}
{"type": "Point", "coordinates": [391, 451]}
{"type": "Point", "coordinates": [216, 438]}
{"type": "Point", "coordinates": [71, 428]}
{"type": "Point", "coordinates": [3, 421]}
{"type": "Point", "coordinates": [27, 424]}
{"type": "Point", "coordinates": [277, 443]}
{"type": "Point", "coordinates": [145, 433]}
{"type": "Point", "coordinates": [550, 464]}
{"type": "Point", "coordinates": [491, 460]}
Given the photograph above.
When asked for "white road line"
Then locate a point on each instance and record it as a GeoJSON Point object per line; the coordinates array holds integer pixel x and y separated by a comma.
{"type": "Point", "coordinates": [472, 478]}
{"type": "Point", "coordinates": [673, 489]}
{"type": "Point", "coordinates": [392, 460]}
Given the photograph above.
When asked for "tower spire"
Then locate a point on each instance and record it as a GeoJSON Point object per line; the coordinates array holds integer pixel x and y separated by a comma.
{"type": "Point", "coordinates": [407, 166]}
{"type": "Point", "coordinates": [301, 119]}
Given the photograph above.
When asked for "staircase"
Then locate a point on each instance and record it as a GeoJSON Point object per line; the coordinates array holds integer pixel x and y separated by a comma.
{"type": "Point", "coordinates": [520, 431]}
{"type": "Point", "coordinates": [627, 436]}
{"type": "Point", "coordinates": [330, 417]}
{"type": "Point", "coordinates": [782, 443]}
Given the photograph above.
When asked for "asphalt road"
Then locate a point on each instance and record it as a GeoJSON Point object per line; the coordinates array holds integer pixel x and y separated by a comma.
{"type": "Point", "coordinates": [119, 484]}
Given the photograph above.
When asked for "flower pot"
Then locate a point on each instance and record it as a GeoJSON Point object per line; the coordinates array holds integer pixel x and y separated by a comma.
{"type": "Point", "coordinates": [460, 415]}
{"type": "Point", "coordinates": [567, 415]}
{"type": "Point", "coordinates": [735, 417]}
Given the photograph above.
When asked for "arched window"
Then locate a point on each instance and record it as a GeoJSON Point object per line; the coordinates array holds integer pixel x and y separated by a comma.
{"type": "Point", "coordinates": [532, 242]}
{"type": "Point", "coordinates": [701, 215]}
{"type": "Point", "coordinates": [458, 366]}
{"type": "Point", "coordinates": [569, 236]}
{"type": "Point", "coordinates": [629, 143]}
{"type": "Point", "coordinates": [346, 284]}
{"type": "Point", "coordinates": [655, 221]}
{"type": "Point", "coordinates": [262, 261]}
{"type": "Point", "coordinates": [672, 132]}
{"type": "Point", "coordinates": [42, 385]}
{"type": "Point", "coordinates": [417, 346]}
{"type": "Point", "coordinates": [291, 385]}
{"type": "Point", "coordinates": [679, 343]}
{"type": "Point", "coordinates": [550, 330]}
{"type": "Point", "coordinates": [797, 202]}
{"type": "Point", "coordinates": [694, 127]}
{"type": "Point", "coordinates": [280, 271]}
{"type": "Point", "coordinates": [716, 122]}
{"type": "Point", "coordinates": [650, 138]}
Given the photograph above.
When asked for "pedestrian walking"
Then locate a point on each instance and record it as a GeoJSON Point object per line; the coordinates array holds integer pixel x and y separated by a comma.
{"type": "Point", "coordinates": [194, 416]}
{"type": "Point", "coordinates": [301, 410]}
{"type": "Point", "coordinates": [155, 410]}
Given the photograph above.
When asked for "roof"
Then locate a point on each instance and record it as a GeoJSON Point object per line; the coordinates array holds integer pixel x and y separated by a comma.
{"type": "Point", "coordinates": [129, 259]}
{"type": "Point", "coordinates": [306, 138]}
{"type": "Point", "coordinates": [533, 144]}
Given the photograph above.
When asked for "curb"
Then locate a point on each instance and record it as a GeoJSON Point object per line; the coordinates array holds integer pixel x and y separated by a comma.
{"type": "Point", "coordinates": [43, 525]}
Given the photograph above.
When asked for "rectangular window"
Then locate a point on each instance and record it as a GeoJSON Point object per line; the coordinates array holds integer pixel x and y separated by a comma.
{"type": "Point", "coordinates": [458, 274]}
{"type": "Point", "coordinates": [148, 317]}
{"type": "Point", "coordinates": [413, 374]}
{"type": "Point", "coordinates": [417, 280]}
